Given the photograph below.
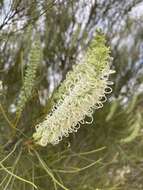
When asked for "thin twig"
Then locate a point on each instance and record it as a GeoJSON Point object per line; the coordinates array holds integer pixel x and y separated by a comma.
{"type": "Point", "coordinates": [80, 169]}
{"type": "Point", "coordinates": [13, 168]}
{"type": "Point", "coordinates": [5, 116]}
{"type": "Point", "coordinates": [15, 146]}
{"type": "Point", "coordinates": [17, 177]}
{"type": "Point", "coordinates": [45, 167]}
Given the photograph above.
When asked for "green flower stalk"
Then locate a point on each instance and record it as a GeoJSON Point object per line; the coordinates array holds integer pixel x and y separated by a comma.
{"type": "Point", "coordinates": [82, 91]}
{"type": "Point", "coordinates": [30, 76]}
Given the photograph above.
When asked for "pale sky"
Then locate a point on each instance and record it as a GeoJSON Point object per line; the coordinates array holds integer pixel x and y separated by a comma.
{"type": "Point", "coordinates": [137, 11]}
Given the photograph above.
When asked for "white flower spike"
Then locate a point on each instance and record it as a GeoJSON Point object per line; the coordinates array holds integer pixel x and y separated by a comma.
{"type": "Point", "coordinates": [82, 91]}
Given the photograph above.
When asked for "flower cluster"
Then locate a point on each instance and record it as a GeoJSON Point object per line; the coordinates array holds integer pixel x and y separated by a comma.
{"type": "Point", "coordinates": [82, 91]}
{"type": "Point", "coordinates": [29, 78]}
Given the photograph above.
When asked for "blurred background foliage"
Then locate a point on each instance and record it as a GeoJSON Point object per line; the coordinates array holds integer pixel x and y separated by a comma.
{"type": "Point", "coordinates": [108, 153]}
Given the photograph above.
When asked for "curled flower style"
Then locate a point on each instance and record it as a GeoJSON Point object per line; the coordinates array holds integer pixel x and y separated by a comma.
{"type": "Point", "coordinates": [83, 90]}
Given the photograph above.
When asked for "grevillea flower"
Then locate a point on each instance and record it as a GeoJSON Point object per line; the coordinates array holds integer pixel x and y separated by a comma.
{"type": "Point", "coordinates": [30, 76]}
{"type": "Point", "coordinates": [82, 91]}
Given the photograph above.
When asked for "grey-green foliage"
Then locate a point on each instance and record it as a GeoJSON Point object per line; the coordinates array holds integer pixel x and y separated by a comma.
{"type": "Point", "coordinates": [132, 104]}
{"type": "Point", "coordinates": [30, 74]}
{"type": "Point", "coordinates": [134, 118]}
{"type": "Point", "coordinates": [113, 109]}
{"type": "Point", "coordinates": [134, 128]}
